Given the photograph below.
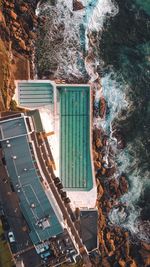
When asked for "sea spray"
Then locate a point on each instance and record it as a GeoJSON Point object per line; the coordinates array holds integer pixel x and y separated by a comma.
{"type": "Point", "coordinates": [59, 53]}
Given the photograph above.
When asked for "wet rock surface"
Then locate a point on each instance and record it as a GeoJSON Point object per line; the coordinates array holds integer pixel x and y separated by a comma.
{"type": "Point", "coordinates": [20, 19]}
{"type": "Point", "coordinates": [77, 5]}
{"type": "Point", "coordinates": [116, 245]}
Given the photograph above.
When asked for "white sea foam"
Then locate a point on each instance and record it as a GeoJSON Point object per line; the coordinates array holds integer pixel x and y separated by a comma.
{"type": "Point", "coordinates": [130, 217]}
{"type": "Point", "coordinates": [69, 54]}
{"type": "Point", "coordinates": [99, 9]}
{"type": "Point", "coordinates": [114, 94]}
{"type": "Point", "coordinates": [127, 159]}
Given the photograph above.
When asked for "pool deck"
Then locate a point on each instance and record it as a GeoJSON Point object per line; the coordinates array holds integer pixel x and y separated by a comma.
{"type": "Point", "coordinates": [81, 188]}
{"type": "Point", "coordinates": [85, 196]}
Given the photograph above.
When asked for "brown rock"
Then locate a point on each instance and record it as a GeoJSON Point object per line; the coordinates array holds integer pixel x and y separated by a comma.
{"type": "Point", "coordinates": [101, 240]}
{"type": "Point", "coordinates": [12, 14]}
{"type": "Point", "coordinates": [112, 244]}
{"type": "Point", "coordinates": [122, 263]}
{"type": "Point", "coordinates": [103, 171]}
{"type": "Point", "coordinates": [108, 205]}
{"type": "Point", "coordinates": [77, 5]}
{"type": "Point", "coordinates": [97, 165]}
{"type": "Point", "coordinates": [100, 156]}
{"type": "Point", "coordinates": [120, 142]}
{"type": "Point", "coordinates": [2, 19]}
{"type": "Point", "coordinates": [16, 24]}
{"type": "Point", "coordinates": [14, 29]}
{"type": "Point", "coordinates": [101, 218]}
{"type": "Point", "coordinates": [4, 30]}
{"type": "Point", "coordinates": [127, 249]}
{"type": "Point", "coordinates": [113, 186]}
{"type": "Point", "coordinates": [123, 185]}
{"type": "Point", "coordinates": [23, 8]}
{"type": "Point", "coordinates": [35, 20]}
{"type": "Point", "coordinates": [100, 191]}
{"type": "Point", "coordinates": [104, 140]}
{"type": "Point", "coordinates": [131, 263]}
{"type": "Point", "coordinates": [22, 44]}
{"type": "Point", "coordinates": [118, 193]}
{"type": "Point", "coordinates": [95, 155]}
{"type": "Point", "coordinates": [108, 235]}
{"type": "Point", "coordinates": [105, 262]}
{"type": "Point", "coordinates": [7, 4]}
{"type": "Point", "coordinates": [102, 107]}
{"type": "Point", "coordinates": [145, 246]}
{"type": "Point", "coordinates": [98, 143]}
{"type": "Point", "coordinates": [32, 35]}
{"type": "Point", "coordinates": [110, 171]}
{"type": "Point", "coordinates": [145, 256]}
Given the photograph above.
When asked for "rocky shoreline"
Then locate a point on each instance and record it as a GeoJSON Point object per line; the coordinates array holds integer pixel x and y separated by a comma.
{"type": "Point", "coordinates": [116, 246]}
{"type": "Point", "coordinates": [18, 23]}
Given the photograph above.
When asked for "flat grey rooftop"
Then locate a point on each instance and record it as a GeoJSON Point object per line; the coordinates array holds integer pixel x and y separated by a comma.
{"type": "Point", "coordinates": [89, 228]}
{"type": "Point", "coordinates": [12, 128]}
{"type": "Point", "coordinates": [34, 203]}
{"type": "Point", "coordinates": [35, 114]}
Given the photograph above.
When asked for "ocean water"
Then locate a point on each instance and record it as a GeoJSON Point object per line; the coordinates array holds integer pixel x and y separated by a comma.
{"type": "Point", "coordinates": [108, 44]}
{"type": "Point", "coordinates": [125, 48]}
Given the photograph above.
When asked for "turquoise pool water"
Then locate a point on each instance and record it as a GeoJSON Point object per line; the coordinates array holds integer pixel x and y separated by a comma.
{"type": "Point", "coordinates": [75, 161]}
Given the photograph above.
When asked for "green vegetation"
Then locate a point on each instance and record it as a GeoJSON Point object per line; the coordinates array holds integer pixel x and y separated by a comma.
{"type": "Point", "coordinates": [13, 105]}
{"type": "Point", "coordinates": [5, 254]}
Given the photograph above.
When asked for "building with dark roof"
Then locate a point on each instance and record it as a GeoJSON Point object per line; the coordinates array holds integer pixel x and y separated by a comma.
{"type": "Point", "coordinates": [89, 228]}
{"type": "Point", "coordinates": [40, 212]}
{"type": "Point", "coordinates": [45, 209]}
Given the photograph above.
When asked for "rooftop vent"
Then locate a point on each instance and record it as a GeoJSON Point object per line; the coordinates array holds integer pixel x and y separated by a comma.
{"type": "Point", "coordinates": [8, 145]}
{"type": "Point", "coordinates": [14, 157]}
{"type": "Point", "coordinates": [43, 223]}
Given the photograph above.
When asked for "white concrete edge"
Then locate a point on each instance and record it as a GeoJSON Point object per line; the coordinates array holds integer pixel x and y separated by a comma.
{"type": "Point", "coordinates": [91, 139]}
